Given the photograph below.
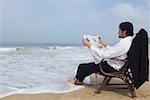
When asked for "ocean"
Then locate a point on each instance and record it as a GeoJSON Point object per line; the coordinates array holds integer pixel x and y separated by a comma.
{"type": "Point", "coordinates": [39, 68]}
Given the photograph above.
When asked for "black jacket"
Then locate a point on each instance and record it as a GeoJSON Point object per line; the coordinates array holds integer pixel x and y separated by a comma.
{"type": "Point", "coordinates": [138, 58]}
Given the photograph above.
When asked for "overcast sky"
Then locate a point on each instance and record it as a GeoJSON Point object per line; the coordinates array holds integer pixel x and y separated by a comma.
{"type": "Point", "coordinates": [46, 21]}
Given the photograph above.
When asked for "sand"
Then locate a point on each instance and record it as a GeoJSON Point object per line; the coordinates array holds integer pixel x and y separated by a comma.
{"type": "Point", "coordinates": [87, 93]}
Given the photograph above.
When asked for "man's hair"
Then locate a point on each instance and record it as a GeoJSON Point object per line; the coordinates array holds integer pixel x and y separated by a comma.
{"type": "Point", "coordinates": [127, 26]}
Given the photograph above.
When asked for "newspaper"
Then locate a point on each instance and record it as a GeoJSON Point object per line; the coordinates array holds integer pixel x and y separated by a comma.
{"type": "Point", "coordinates": [95, 40]}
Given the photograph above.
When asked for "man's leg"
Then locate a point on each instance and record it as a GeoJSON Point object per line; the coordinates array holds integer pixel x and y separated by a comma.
{"type": "Point", "coordinates": [85, 70]}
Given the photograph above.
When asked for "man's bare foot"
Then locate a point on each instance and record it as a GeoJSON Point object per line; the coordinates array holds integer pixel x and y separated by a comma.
{"type": "Point", "coordinates": [72, 80]}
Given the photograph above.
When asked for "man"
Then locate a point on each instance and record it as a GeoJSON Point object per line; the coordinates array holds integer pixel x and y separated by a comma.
{"type": "Point", "coordinates": [112, 56]}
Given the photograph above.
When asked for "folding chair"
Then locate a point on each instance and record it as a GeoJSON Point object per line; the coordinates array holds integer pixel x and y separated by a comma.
{"type": "Point", "coordinates": [124, 74]}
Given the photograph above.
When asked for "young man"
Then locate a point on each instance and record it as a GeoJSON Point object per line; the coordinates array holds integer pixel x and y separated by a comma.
{"type": "Point", "coordinates": [112, 55]}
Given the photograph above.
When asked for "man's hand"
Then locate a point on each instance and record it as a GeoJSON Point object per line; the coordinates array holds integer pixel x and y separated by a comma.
{"type": "Point", "coordinates": [104, 44]}
{"type": "Point", "coordinates": [86, 43]}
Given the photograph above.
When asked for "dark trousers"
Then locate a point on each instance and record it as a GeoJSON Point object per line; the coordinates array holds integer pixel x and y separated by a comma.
{"type": "Point", "coordinates": [87, 69]}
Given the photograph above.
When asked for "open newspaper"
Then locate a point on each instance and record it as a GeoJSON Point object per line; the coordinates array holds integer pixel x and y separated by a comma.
{"type": "Point", "coordinates": [98, 42]}
{"type": "Point", "coordinates": [95, 40]}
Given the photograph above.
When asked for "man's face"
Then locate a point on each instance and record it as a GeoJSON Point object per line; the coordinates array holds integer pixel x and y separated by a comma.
{"type": "Point", "coordinates": [121, 34]}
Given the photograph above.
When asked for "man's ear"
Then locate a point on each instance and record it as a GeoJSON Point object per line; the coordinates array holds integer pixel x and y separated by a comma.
{"type": "Point", "coordinates": [124, 33]}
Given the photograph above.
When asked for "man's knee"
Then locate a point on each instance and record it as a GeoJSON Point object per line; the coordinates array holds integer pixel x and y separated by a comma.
{"type": "Point", "coordinates": [81, 66]}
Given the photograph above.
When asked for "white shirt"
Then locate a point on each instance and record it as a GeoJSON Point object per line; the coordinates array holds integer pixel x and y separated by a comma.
{"type": "Point", "coordinates": [118, 51]}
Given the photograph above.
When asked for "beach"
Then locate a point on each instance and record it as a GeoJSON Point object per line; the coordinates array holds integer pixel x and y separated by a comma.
{"type": "Point", "coordinates": [87, 93]}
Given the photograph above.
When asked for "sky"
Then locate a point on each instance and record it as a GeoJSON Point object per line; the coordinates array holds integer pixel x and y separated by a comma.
{"type": "Point", "coordinates": [64, 21]}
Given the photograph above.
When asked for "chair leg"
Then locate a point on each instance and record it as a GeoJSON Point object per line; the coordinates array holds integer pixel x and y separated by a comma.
{"type": "Point", "coordinates": [96, 80]}
{"type": "Point", "coordinates": [103, 85]}
{"type": "Point", "coordinates": [130, 87]}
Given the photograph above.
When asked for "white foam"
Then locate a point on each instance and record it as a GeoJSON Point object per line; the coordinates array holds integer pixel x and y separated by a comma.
{"type": "Point", "coordinates": [41, 91]}
{"type": "Point", "coordinates": [7, 49]}
{"type": "Point", "coordinates": [59, 47]}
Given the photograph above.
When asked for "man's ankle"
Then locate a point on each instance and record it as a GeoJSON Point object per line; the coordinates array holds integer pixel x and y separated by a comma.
{"type": "Point", "coordinates": [77, 82]}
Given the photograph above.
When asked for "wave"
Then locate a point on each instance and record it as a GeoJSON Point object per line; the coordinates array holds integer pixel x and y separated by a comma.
{"type": "Point", "coordinates": [43, 90]}
{"type": "Point", "coordinates": [40, 91]}
{"type": "Point", "coordinates": [5, 49]}
{"type": "Point", "coordinates": [59, 47]}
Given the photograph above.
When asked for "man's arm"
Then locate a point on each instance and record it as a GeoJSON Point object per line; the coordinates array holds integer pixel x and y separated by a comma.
{"type": "Point", "coordinates": [111, 51]}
